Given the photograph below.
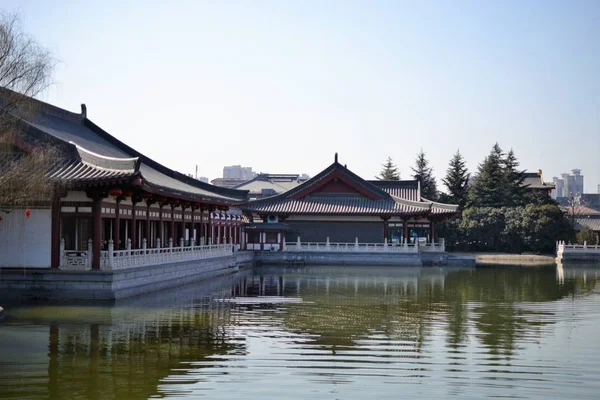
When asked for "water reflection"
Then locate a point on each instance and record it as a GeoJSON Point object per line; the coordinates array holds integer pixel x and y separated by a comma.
{"type": "Point", "coordinates": [483, 332]}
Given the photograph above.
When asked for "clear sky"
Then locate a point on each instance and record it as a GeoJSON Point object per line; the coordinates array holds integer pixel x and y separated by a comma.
{"type": "Point", "coordinates": [283, 85]}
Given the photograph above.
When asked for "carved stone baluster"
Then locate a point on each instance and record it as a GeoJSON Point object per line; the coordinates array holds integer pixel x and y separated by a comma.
{"type": "Point", "coordinates": [61, 254]}
{"type": "Point", "coordinates": [111, 250]}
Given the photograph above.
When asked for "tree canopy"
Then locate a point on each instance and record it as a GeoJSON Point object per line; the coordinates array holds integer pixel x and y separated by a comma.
{"type": "Point", "coordinates": [457, 180]}
{"type": "Point", "coordinates": [389, 171]}
{"type": "Point", "coordinates": [424, 173]}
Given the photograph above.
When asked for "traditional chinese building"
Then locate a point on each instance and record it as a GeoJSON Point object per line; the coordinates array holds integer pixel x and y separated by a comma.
{"type": "Point", "coordinates": [108, 196]}
{"type": "Point", "coordinates": [534, 181]}
{"type": "Point", "coordinates": [338, 206]}
{"type": "Point", "coordinates": [264, 185]}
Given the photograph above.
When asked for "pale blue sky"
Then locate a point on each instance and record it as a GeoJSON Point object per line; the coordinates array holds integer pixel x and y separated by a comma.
{"type": "Point", "coordinates": [281, 86]}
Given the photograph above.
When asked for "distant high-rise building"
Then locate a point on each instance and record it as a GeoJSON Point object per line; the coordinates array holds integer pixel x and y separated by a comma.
{"type": "Point", "coordinates": [238, 172]}
{"type": "Point", "coordinates": [568, 185]}
{"type": "Point", "coordinates": [203, 179]}
{"type": "Point", "coordinates": [559, 184]}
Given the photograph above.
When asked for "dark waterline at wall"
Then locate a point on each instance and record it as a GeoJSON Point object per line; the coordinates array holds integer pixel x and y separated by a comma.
{"type": "Point", "coordinates": [318, 332]}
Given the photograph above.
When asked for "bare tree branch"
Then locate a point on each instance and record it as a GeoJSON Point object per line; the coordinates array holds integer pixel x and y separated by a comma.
{"type": "Point", "coordinates": [25, 71]}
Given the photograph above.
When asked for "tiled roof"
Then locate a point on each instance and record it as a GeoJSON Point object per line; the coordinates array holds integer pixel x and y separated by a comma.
{"type": "Point", "coordinates": [338, 205]}
{"type": "Point", "coordinates": [102, 156]}
{"type": "Point", "coordinates": [535, 180]}
{"type": "Point", "coordinates": [592, 223]}
{"type": "Point", "coordinates": [268, 226]}
{"type": "Point", "coordinates": [90, 167]}
{"type": "Point", "coordinates": [408, 190]}
{"type": "Point", "coordinates": [261, 182]}
{"type": "Point", "coordinates": [381, 198]}
{"type": "Point", "coordinates": [580, 210]}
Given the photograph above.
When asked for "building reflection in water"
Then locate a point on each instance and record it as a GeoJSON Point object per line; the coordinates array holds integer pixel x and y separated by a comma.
{"type": "Point", "coordinates": [134, 348]}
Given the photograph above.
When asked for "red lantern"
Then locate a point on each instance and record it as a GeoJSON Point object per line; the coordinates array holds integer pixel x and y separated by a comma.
{"type": "Point", "coordinates": [127, 194]}
{"type": "Point", "coordinates": [0, 218]}
{"type": "Point", "coordinates": [146, 196]}
{"type": "Point", "coordinates": [116, 192]}
{"type": "Point", "coordinates": [175, 202]}
{"type": "Point", "coordinates": [27, 213]}
{"type": "Point", "coordinates": [418, 218]}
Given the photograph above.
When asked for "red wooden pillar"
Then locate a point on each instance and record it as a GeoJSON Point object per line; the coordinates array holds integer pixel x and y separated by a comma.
{"type": "Point", "coordinates": [405, 227]}
{"type": "Point", "coordinates": [209, 227]}
{"type": "Point", "coordinates": [193, 228]}
{"type": "Point", "coordinates": [55, 233]}
{"type": "Point", "coordinates": [133, 227]}
{"type": "Point", "coordinates": [385, 228]}
{"type": "Point", "coordinates": [431, 231]}
{"type": "Point", "coordinates": [281, 241]}
{"type": "Point", "coordinates": [182, 230]}
{"type": "Point", "coordinates": [117, 225]}
{"type": "Point", "coordinates": [172, 230]}
{"type": "Point", "coordinates": [97, 231]}
{"type": "Point", "coordinates": [147, 233]}
{"type": "Point", "coordinates": [161, 227]}
{"type": "Point", "coordinates": [202, 234]}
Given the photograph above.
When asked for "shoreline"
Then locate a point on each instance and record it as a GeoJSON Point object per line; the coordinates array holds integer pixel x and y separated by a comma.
{"type": "Point", "coordinates": [510, 259]}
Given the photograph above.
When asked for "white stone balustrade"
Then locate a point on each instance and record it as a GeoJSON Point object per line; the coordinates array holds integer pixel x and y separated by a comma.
{"type": "Point", "coordinates": [75, 260]}
{"type": "Point", "coordinates": [130, 258]}
{"type": "Point", "coordinates": [563, 248]}
{"type": "Point", "coordinates": [364, 247]}
{"type": "Point", "coordinates": [122, 259]}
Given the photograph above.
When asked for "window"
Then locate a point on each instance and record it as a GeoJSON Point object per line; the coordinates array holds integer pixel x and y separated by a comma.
{"type": "Point", "coordinates": [271, 237]}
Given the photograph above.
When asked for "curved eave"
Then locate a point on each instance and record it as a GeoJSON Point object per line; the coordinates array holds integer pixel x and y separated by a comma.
{"type": "Point", "coordinates": [168, 192]}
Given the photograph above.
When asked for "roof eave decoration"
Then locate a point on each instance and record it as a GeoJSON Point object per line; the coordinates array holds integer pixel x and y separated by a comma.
{"type": "Point", "coordinates": [237, 195]}
{"type": "Point", "coordinates": [336, 170]}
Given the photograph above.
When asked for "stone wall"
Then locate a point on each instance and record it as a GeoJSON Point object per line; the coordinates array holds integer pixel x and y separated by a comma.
{"type": "Point", "coordinates": [109, 285]}
{"type": "Point", "coordinates": [338, 258]}
{"type": "Point", "coordinates": [337, 231]}
{"type": "Point", "coordinates": [25, 242]}
{"type": "Point", "coordinates": [578, 257]}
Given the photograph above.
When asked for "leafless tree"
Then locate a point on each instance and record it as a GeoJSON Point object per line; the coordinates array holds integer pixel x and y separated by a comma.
{"type": "Point", "coordinates": [26, 70]}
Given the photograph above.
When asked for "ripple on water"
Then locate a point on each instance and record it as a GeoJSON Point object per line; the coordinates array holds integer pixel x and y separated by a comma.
{"type": "Point", "coordinates": [319, 333]}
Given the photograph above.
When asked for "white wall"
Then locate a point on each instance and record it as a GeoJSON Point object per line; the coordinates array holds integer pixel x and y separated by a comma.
{"type": "Point", "coordinates": [25, 242]}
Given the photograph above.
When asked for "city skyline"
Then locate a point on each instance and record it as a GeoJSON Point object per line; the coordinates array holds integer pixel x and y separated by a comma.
{"type": "Point", "coordinates": [365, 80]}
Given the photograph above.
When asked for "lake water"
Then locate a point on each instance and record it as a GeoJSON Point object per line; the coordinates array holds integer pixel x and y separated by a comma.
{"type": "Point", "coordinates": [319, 333]}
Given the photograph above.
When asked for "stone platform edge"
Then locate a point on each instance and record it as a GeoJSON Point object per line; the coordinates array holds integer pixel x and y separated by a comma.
{"type": "Point", "coordinates": [46, 284]}
{"type": "Point", "coordinates": [363, 258]}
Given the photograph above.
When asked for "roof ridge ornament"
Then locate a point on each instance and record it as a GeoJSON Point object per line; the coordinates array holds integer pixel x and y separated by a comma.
{"type": "Point", "coordinates": [335, 159]}
{"type": "Point", "coordinates": [83, 111]}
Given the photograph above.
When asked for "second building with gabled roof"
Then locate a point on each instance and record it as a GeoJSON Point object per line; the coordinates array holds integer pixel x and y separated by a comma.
{"type": "Point", "coordinates": [337, 205]}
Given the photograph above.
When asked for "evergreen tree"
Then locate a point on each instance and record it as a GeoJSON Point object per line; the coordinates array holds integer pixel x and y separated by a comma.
{"type": "Point", "coordinates": [516, 191]}
{"type": "Point", "coordinates": [490, 186]}
{"type": "Point", "coordinates": [457, 179]}
{"type": "Point", "coordinates": [389, 171]}
{"type": "Point", "coordinates": [424, 174]}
